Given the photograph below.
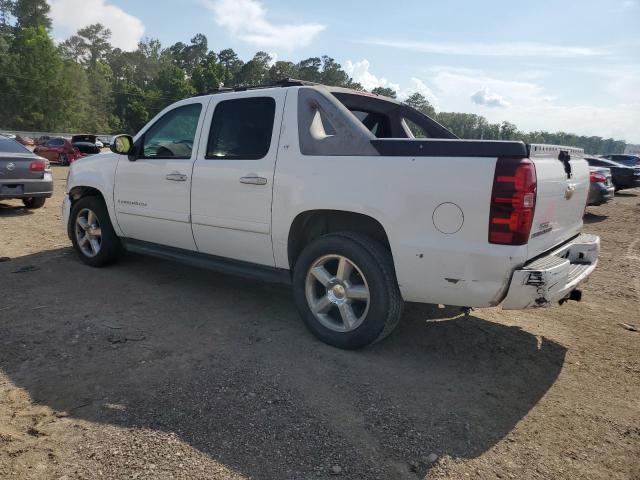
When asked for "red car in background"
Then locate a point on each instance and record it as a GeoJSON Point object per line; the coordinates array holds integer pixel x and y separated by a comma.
{"type": "Point", "coordinates": [58, 150]}
{"type": "Point", "coordinates": [24, 140]}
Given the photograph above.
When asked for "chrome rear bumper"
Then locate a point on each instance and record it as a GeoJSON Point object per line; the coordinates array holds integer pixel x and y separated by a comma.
{"type": "Point", "coordinates": [553, 277]}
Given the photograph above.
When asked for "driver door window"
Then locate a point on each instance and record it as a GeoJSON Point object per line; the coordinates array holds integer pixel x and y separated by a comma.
{"type": "Point", "coordinates": [172, 136]}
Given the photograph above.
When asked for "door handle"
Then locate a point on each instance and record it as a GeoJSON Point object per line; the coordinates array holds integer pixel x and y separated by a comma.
{"type": "Point", "coordinates": [253, 179]}
{"type": "Point", "coordinates": [176, 177]}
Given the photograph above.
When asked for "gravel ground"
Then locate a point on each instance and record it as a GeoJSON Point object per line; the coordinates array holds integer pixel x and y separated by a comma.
{"type": "Point", "coordinates": [153, 370]}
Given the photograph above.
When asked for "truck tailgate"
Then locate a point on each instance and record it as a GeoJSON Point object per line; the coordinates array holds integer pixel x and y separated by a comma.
{"type": "Point", "coordinates": [562, 190]}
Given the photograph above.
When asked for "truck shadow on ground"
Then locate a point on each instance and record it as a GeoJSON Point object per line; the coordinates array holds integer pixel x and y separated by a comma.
{"type": "Point", "coordinates": [591, 217]}
{"type": "Point", "coordinates": [227, 365]}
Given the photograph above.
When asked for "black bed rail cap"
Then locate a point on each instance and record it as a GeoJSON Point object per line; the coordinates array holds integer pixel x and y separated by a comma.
{"type": "Point", "coordinates": [438, 147]}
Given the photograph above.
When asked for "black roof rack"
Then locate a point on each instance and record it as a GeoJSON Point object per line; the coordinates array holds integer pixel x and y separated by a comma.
{"type": "Point", "coordinates": [287, 82]}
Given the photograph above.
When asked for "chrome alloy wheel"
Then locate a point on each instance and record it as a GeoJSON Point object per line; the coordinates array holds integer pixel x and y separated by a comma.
{"type": "Point", "coordinates": [337, 293]}
{"type": "Point", "coordinates": [88, 232]}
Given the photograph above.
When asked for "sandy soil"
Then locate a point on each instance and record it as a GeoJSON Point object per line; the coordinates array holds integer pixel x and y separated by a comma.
{"type": "Point", "coordinates": [149, 369]}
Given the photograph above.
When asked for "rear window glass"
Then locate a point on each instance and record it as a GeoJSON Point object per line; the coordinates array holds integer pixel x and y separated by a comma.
{"type": "Point", "coordinates": [56, 142]}
{"type": "Point", "coordinates": [83, 138]}
{"type": "Point", "coordinates": [241, 129]}
{"type": "Point", "coordinates": [8, 145]}
{"type": "Point", "coordinates": [377, 123]}
{"type": "Point", "coordinates": [415, 129]}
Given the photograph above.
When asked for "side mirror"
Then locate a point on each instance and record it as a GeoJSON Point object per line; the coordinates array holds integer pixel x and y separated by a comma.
{"type": "Point", "coordinates": [122, 144]}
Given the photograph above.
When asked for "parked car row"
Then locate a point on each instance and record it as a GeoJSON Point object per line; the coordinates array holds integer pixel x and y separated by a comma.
{"type": "Point", "coordinates": [58, 150]}
{"type": "Point", "coordinates": [622, 175]}
{"type": "Point", "coordinates": [27, 175]}
{"type": "Point", "coordinates": [65, 152]}
{"type": "Point", "coordinates": [52, 145]}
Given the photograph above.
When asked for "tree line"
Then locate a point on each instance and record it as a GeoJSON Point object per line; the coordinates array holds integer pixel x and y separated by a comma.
{"type": "Point", "coordinates": [85, 84]}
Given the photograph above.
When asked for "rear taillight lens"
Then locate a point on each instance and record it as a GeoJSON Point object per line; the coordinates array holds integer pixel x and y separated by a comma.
{"type": "Point", "coordinates": [37, 166]}
{"type": "Point", "coordinates": [596, 177]}
{"type": "Point", "coordinates": [513, 201]}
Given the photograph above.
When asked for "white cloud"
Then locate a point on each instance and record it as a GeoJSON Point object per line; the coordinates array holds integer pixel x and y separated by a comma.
{"type": "Point", "coordinates": [459, 84]}
{"type": "Point", "coordinates": [70, 15]}
{"type": "Point", "coordinates": [360, 73]}
{"type": "Point", "coordinates": [418, 86]}
{"type": "Point", "coordinates": [531, 108]}
{"type": "Point", "coordinates": [246, 20]}
{"type": "Point", "coordinates": [488, 99]}
{"type": "Point", "coordinates": [512, 49]}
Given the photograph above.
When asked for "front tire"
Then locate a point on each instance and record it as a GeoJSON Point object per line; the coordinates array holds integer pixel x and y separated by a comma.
{"type": "Point", "coordinates": [346, 291]}
{"type": "Point", "coordinates": [92, 234]}
{"type": "Point", "coordinates": [34, 202]}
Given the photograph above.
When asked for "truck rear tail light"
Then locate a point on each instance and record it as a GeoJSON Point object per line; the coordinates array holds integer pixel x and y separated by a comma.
{"type": "Point", "coordinates": [513, 201]}
{"type": "Point", "coordinates": [37, 166]}
{"type": "Point", "coordinates": [596, 177]}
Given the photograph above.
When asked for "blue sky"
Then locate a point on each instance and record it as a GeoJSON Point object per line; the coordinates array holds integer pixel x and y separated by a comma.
{"type": "Point", "coordinates": [570, 65]}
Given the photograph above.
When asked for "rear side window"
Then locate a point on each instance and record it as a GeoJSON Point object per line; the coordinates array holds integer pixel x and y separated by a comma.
{"type": "Point", "coordinates": [9, 145]}
{"type": "Point", "coordinates": [241, 129]}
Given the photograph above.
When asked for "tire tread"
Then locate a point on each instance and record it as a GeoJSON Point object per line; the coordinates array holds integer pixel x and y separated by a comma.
{"type": "Point", "coordinates": [384, 259]}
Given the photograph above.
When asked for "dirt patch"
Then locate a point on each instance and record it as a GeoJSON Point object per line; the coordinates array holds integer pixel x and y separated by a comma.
{"type": "Point", "coordinates": [149, 369]}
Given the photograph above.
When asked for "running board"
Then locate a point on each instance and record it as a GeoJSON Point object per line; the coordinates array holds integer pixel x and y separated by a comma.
{"type": "Point", "coordinates": [210, 262]}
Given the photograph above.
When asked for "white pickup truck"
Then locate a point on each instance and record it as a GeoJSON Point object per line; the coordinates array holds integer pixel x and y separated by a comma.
{"type": "Point", "coordinates": [330, 190]}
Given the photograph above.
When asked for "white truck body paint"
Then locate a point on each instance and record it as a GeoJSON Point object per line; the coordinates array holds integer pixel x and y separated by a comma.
{"type": "Point", "coordinates": [223, 217]}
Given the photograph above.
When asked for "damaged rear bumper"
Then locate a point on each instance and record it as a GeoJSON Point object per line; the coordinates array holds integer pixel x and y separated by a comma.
{"type": "Point", "coordinates": [553, 277]}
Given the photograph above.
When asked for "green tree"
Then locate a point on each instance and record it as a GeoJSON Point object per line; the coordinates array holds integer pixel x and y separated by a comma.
{"type": "Point", "coordinates": [170, 86]}
{"type": "Point", "coordinates": [385, 92]}
{"type": "Point", "coordinates": [282, 70]}
{"type": "Point", "coordinates": [333, 74]}
{"type": "Point", "coordinates": [188, 57]}
{"type": "Point", "coordinates": [6, 9]}
{"type": "Point", "coordinates": [31, 13]}
{"type": "Point", "coordinates": [99, 105]}
{"type": "Point", "coordinates": [76, 97]}
{"type": "Point", "coordinates": [90, 44]}
{"type": "Point", "coordinates": [232, 65]}
{"type": "Point", "coordinates": [33, 101]}
{"type": "Point", "coordinates": [420, 103]}
{"type": "Point", "coordinates": [254, 72]}
{"type": "Point", "coordinates": [309, 69]}
{"type": "Point", "coordinates": [208, 75]}
{"type": "Point", "coordinates": [508, 131]}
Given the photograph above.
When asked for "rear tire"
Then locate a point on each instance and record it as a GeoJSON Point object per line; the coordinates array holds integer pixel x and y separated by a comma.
{"type": "Point", "coordinates": [347, 310]}
{"type": "Point", "coordinates": [92, 233]}
{"type": "Point", "coordinates": [63, 160]}
{"type": "Point", "coordinates": [34, 202]}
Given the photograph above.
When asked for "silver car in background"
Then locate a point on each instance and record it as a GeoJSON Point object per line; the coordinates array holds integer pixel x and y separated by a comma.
{"type": "Point", "coordinates": [23, 174]}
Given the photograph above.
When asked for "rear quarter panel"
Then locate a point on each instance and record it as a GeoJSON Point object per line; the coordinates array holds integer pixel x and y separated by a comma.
{"type": "Point", "coordinates": [402, 193]}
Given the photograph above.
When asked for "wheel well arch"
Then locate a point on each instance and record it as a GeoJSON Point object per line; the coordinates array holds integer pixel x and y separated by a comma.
{"type": "Point", "coordinates": [311, 224]}
{"type": "Point", "coordinates": [76, 193]}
